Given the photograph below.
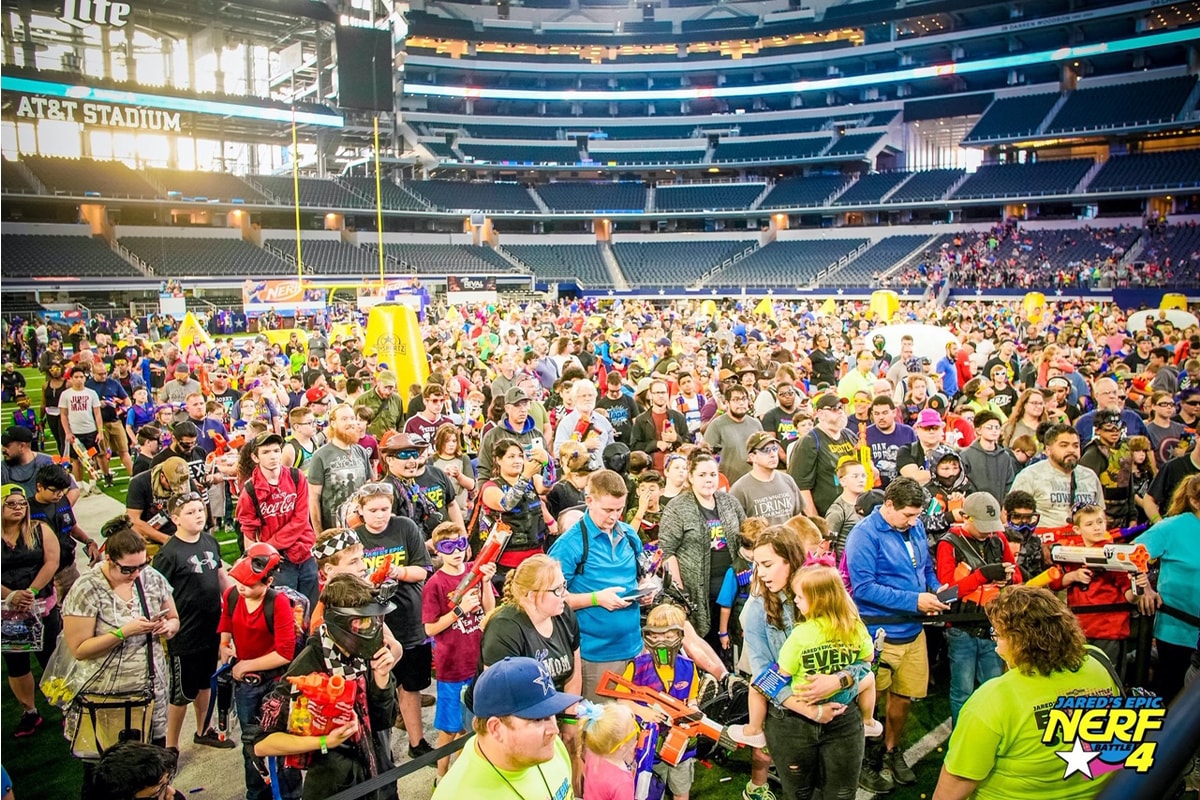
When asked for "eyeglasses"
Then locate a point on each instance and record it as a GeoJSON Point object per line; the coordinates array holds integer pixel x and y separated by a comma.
{"type": "Point", "coordinates": [16, 504]}
{"type": "Point", "coordinates": [132, 570]}
{"type": "Point", "coordinates": [768, 449]}
{"type": "Point", "coordinates": [558, 591]}
{"type": "Point", "coordinates": [449, 546]}
{"type": "Point", "coordinates": [1166, 404]}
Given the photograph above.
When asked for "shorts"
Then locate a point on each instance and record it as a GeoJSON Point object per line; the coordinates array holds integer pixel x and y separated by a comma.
{"type": "Point", "coordinates": [904, 668]}
{"type": "Point", "coordinates": [414, 671]}
{"type": "Point", "coordinates": [451, 715]}
{"type": "Point", "coordinates": [191, 673]}
{"type": "Point", "coordinates": [88, 440]}
{"type": "Point", "coordinates": [678, 779]}
{"type": "Point", "coordinates": [116, 438]}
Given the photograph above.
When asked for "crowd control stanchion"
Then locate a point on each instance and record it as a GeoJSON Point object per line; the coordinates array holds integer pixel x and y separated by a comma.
{"type": "Point", "coordinates": [396, 773]}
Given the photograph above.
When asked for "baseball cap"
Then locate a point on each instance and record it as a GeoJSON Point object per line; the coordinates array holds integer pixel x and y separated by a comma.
{"type": "Point", "coordinates": [663, 342]}
{"type": "Point", "coordinates": [174, 471]}
{"type": "Point", "coordinates": [868, 502]}
{"type": "Point", "coordinates": [316, 394]}
{"type": "Point", "coordinates": [264, 439]}
{"type": "Point", "coordinates": [519, 687]}
{"type": "Point", "coordinates": [928, 418]}
{"type": "Point", "coordinates": [984, 511]}
{"type": "Point", "coordinates": [17, 435]}
{"type": "Point", "coordinates": [515, 395]}
{"type": "Point", "coordinates": [829, 401]}
{"type": "Point", "coordinates": [758, 439]}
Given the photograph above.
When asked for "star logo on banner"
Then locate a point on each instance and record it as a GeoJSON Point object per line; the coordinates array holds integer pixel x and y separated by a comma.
{"type": "Point", "coordinates": [841, 292]}
{"type": "Point", "coordinates": [610, 292]}
{"type": "Point", "coordinates": [1058, 292]}
{"type": "Point", "coordinates": [979, 292]}
{"type": "Point", "coordinates": [770, 292]}
{"type": "Point", "coordinates": [1078, 760]}
{"type": "Point", "coordinates": [661, 292]}
{"type": "Point", "coordinates": [904, 291]}
{"type": "Point", "coordinates": [714, 291]}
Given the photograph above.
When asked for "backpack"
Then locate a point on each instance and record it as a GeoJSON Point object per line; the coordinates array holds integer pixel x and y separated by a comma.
{"type": "Point", "coordinates": [631, 539]}
{"type": "Point", "coordinates": [298, 602]}
{"type": "Point", "coordinates": [248, 488]}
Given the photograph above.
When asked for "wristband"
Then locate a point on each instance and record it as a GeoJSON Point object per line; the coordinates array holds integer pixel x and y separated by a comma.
{"type": "Point", "coordinates": [723, 634]}
{"type": "Point", "coordinates": [845, 680]}
{"type": "Point", "coordinates": [117, 633]}
{"type": "Point", "coordinates": [594, 603]}
{"type": "Point", "coordinates": [324, 746]}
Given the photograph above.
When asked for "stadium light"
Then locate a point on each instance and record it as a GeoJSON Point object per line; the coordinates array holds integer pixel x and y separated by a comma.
{"type": "Point", "coordinates": [895, 76]}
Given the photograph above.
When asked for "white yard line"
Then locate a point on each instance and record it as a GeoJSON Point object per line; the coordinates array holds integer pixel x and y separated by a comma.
{"type": "Point", "coordinates": [924, 746]}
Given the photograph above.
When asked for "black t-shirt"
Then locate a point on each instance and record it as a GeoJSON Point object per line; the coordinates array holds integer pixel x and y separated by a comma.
{"type": "Point", "coordinates": [509, 632]}
{"type": "Point", "coordinates": [437, 491]}
{"type": "Point", "coordinates": [141, 463]}
{"type": "Point", "coordinates": [813, 463]}
{"type": "Point", "coordinates": [1005, 400]}
{"type": "Point", "coordinates": [563, 495]}
{"type": "Point", "coordinates": [621, 413]}
{"type": "Point", "coordinates": [195, 464]}
{"type": "Point", "coordinates": [913, 454]}
{"type": "Point", "coordinates": [229, 400]}
{"type": "Point", "coordinates": [60, 518]}
{"type": "Point", "coordinates": [154, 510]}
{"type": "Point", "coordinates": [192, 570]}
{"type": "Point", "coordinates": [719, 560]}
{"type": "Point", "coordinates": [402, 543]}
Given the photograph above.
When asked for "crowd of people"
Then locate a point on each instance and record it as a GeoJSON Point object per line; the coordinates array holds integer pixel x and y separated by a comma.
{"type": "Point", "coordinates": [690, 500]}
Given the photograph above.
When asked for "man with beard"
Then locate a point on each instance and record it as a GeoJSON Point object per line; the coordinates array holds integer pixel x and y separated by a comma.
{"type": "Point", "coordinates": [206, 426]}
{"type": "Point", "coordinates": [659, 430]}
{"type": "Point", "coordinates": [337, 469]}
{"type": "Point", "coordinates": [619, 407]}
{"type": "Point", "coordinates": [728, 433]}
{"type": "Point", "coordinates": [778, 420]}
{"type": "Point", "coordinates": [585, 425]}
{"type": "Point", "coordinates": [885, 438]}
{"type": "Point", "coordinates": [1059, 482]}
{"type": "Point", "coordinates": [123, 375]}
{"type": "Point", "coordinates": [814, 460]}
{"type": "Point", "coordinates": [174, 392]}
{"type": "Point", "coordinates": [1107, 395]}
{"type": "Point", "coordinates": [225, 394]}
{"type": "Point", "coordinates": [146, 501]}
{"type": "Point", "coordinates": [1109, 456]}
{"type": "Point", "coordinates": [387, 406]}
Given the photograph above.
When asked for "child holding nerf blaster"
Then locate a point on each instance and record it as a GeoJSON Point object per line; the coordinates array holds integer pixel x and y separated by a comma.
{"type": "Point", "coordinates": [831, 638]}
{"type": "Point", "coordinates": [1092, 585]}
{"type": "Point", "coordinates": [455, 628]}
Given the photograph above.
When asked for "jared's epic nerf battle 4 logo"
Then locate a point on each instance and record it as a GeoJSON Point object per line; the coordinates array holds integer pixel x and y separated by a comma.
{"type": "Point", "coordinates": [1095, 735]}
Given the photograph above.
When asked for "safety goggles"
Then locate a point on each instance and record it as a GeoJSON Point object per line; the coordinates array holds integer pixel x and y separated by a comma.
{"type": "Point", "coordinates": [450, 546]}
{"type": "Point", "coordinates": [407, 454]}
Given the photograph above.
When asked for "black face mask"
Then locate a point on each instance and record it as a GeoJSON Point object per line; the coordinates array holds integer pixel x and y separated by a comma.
{"type": "Point", "coordinates": [364, 643]}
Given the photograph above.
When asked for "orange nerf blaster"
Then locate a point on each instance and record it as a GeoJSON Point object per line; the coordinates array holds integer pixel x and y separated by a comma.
{"type": "Point", "coordinates": [685, 721]}
{"type": "Point", "coordinates": [325, 702]}
{"type": "Point", "coordinates": [491, 550]}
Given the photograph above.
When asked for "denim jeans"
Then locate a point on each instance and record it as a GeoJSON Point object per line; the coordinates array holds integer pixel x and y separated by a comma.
{"type": "Point", "coordinates": [973, 660]}
{"type": "Point", "coordinates": [809, 755]}
{"type": "Point", "coordinates": [248, 703]}
{"type": "Point", "coordinates": [301, 577]}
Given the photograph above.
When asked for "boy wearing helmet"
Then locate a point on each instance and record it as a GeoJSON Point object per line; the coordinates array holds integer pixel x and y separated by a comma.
{"type": "Point", "coordinates": [347, 650]}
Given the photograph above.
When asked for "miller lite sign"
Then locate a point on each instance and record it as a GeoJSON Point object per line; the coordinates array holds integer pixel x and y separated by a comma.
{"type": "Point", "coordinates": [82, 13]}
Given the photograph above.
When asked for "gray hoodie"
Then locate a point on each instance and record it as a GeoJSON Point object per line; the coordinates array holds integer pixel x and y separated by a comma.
{"type": "Point", "coordinates": [992, 472]}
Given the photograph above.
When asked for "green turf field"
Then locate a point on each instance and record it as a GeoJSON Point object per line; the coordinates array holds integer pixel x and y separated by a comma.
{"type": "Point", "coordinates": [44, 759]}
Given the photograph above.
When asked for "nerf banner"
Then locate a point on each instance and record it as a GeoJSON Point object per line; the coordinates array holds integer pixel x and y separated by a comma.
{"type": "Point", "coordinates": [284, 297]}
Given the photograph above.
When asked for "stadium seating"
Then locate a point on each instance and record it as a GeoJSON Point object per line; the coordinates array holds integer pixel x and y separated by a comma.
{"type": "Point", "coordinates": [393, 196]}
{"type": "Point", "coordinates": [479, 131]}
{"type": "Point", "coordinates": [807, 192]}
{"type": "Point", "coordinates": [772, 150]}
{"type": "Point", "coordinates": [1012, 117]}
{"type": "Point", "coordinates": [179, 258]}
{"type": "Point", "coordinates": [314, 192]}
{"type": "Point", "coordinates": [478, 196]}
{"type": "Point", "coordinates": [1180, 244]}
{"type": "Point", "coordinates": [601, 197]}
{"type": "Point", "coordinates": [448, 259]}
{"type": "Point", "coordinates": [1170, 170]}
{"type": "Point", "coordinates": [768, 127]}
{"type": "Point", "coordinates": [633, 158]}
{"type": "Point", "coordinates": [853, 145]}
{"type": "Point", "coordinates": [324, 257]}
{"type": "Point", "coordinates": [881, 256]}
{"type": "Point", "coordinates": [33, 256]}
{"type": "Point", "coordinates": [793, 263]}
{"type": "Point", "coordinates": [201, 186]}
{"type": "Point", "coordinates": [85, 177]}
{"type": "Point", "coordinates": [925, 186]}
{"type": "Point", "coordinates": [870, 189]}
{"type": "Point", "coordinates": [622, 132]}
{"type": "Point", "coordinates": [1025, 180]}
{"type": "Point", "coordinates": [579, 263]}
{"type": "Point", "coordinates": [519, 153]}
{"type": "Point", "coordinates": [440, 149]}
{"type": "Point", "coordinates": [12, 179]}
{"type": "Point", "coordinates": [672, 263]}
{"type": "Point", "coordinates": [706, 197]}
{"type": "Point", "coordinates": [1122, 105]}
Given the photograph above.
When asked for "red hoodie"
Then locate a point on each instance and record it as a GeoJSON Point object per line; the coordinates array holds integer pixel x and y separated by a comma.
{"type": "Point", "coordinates": [283, 521]}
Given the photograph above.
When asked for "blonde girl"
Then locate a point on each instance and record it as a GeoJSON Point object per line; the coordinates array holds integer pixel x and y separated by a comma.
{"type": "Point", "coordinates": [609, 739]}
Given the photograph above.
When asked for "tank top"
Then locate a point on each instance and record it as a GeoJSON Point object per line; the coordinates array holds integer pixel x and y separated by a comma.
{"type": "Point", "coordinates": [51, 395]}
{"type": "Point", "coordinates": [21, 563]}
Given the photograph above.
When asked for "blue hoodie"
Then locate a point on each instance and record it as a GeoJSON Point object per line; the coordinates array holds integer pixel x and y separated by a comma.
{"type": "Point", "coordinates": [883, 578]}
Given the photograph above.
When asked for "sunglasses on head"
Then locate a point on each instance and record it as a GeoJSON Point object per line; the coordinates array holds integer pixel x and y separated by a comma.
{"type": "Point", "coordinates": [449, 546]}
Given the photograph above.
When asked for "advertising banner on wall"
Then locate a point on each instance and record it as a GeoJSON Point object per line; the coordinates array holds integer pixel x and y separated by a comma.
{"type": "Point", "coordinates": [470, 290]}
{"type": "Point", "coordinates": [284, 297]}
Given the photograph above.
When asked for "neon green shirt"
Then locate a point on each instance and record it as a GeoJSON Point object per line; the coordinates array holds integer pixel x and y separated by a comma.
{"type": "Point", "coordinates": [998, 738]}
{"type": "Point", "coordinates": [809, 651]}
{"type": "Point", "coordinates": [472, 776]}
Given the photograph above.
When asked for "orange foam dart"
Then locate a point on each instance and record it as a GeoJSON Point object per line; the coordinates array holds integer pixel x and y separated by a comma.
{"type": "Point", "coordinates": [381, 572]}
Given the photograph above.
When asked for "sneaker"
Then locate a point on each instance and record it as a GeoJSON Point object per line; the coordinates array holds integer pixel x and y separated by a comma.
{"type": "Point", "coordinates": [212, 739]}
{"type": "Point", "coordinates": [419, 749]}
{"type": "Point", "coordinates": [739, 735]}
{"type": "Point", "coordinates": [900, 772]}
{"type": "Point", "coordinates": [30, 721]}
{"type": "Point", "coordinates": [752, 792]}
{"type": "Point", "coordinates": [874, 780]}
{"type": "Point", "coordinates": [872, 728]}
{"type": "Point", "coordinates": [428, 700]}
{"type": "Point", "coordinates": [108, 479]}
